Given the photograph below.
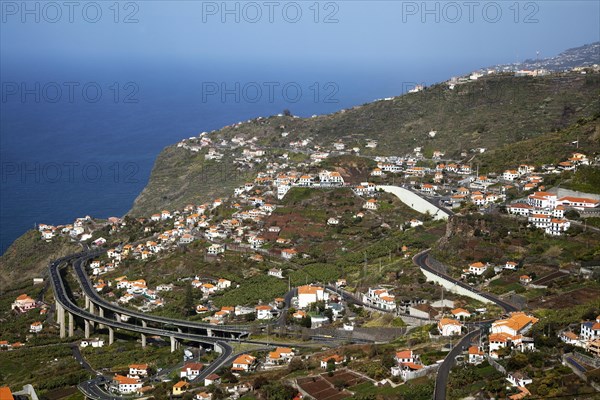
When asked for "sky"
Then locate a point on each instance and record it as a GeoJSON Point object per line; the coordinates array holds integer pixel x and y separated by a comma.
{"type": "Point", "coordinates": [162, 53]}
{"type": "Point", "coordinates": [248, 34]}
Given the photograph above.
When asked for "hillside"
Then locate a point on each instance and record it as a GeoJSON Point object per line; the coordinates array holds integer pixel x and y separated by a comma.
{"type": "Point", "coordinates": [489, 113]}
{"type": "Point", "coordinates": [550, 148]}
{"type": "Point", "coordinates": [586, 55]}
{"type": "Point", "coordinates": [180, 177]}
{"type": "Point", "coordinates": [28, 257]}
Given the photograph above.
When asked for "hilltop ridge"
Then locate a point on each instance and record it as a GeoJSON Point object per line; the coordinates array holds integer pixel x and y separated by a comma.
{"type": "Point", "coordinates": [487, 113]}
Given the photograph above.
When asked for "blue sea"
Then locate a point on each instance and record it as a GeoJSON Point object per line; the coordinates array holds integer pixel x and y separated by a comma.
{"type": "Point", "coordinates": [81, 139]}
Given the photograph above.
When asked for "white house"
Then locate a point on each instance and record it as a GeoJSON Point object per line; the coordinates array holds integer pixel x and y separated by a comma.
{"type": "Point", "coordinates": [23, 303]}
{"type": "Point", "coordinates": [288, 253]}
{"type": "Point", "coordinates": [371, 204]}
{"type": "Point", "coordinates": [279, 356]}
{"type": "Point", "coordinates": [406, 356]}
{"type": "Point", "coordinates": [518, 323]}
{"type": "Point", "coordinates": [377, 172]}
{"type": "Point", "coordinates": [557, 226]}
{"type": "Point", "coordinates": [510, 175]}
{"type": "Point", "coordinates": [36, 327]}
{"type": "Point", "coordinates": [165, 287]}
{"type": "Point", "coordinates": [92, 342]}
{"type": "Point", "coordinates": [477, 268]}
{"type": "Point", "coordinates": [590, 330]}
{"type": "Point", "coordinates": [476, 355]}
{"type": "Point", "coordinates": [569, 337]}
{"type": "Point", "coordinates": [223, 283]}
{"type": "Point", "coordinates": [579, 202]}
{"type": "Point", "coordinates": [415, 222]}
{"type": "Point", "coordinates": [243, 363]}
{"type": "Point", "coordinates": [212, 379]}
{"type": "Point", "coordinates": [309, 294]}
{"type": "Point", "coordinates": [191, 370]}
{"type": "Point", "coordinates": [525, 279]}
{"type": "Point", "coordinates": [305, 180]}
{"type": "Point", "coordinates": [124, 384]}
{"type": "Point", "coordinates": [336, 359]}
{"type": "Point", "coordinates": [215, 249]}
{"type": "Point", "coordinates": [518, 379]}
{"type": "Point", "coordinates": [380, 298]}
{"type": "Point", "coordinates": [497, 341]}
{"type": "Point", "coordinates": [460, 313]}
{"type": "Point", "coordinates": [449, 327]}
{"type": "Point", "coordinates": [542, 200]}
{"type": "Point", "coordinates": [511, 265]}
{"type": "Point", "coordinates": [138, 370]}
{"type": "Point", "coordinates": [276, 272]}
{"type": "Point", "coordinates": [263, 312]}
{"type": "Point", "coordinates": [331, 178]}
{"type": "Point", "coordinates": [407, 370]}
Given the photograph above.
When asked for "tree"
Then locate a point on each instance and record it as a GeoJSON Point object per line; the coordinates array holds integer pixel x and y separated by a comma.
{"type": "Point", "coordinates": [388, 360]}
{"type": "Point", "coordinates": [259, 382]}
{"type": "Point", "coordinates": [278, 391]}
{"type": "Point", "coordinates": [287, 113]}
{"type": "Point", "coordinates": [306, 322]}
{"type": "Point", "coordinates": [228, 376]}
{"type": "Point", "coordinates": [517, 362]}
{"type": "Point", "coordinates": [296, 365]}
{"type": "Point", "coordinates": [329, 314]}
{"type": "Point", "coordinates": [330, 365]}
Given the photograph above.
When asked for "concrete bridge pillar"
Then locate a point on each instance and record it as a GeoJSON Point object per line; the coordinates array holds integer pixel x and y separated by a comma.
{"type": "Point", "coordinates": [179, 330]}
{"type": "Point", "coordinates": [56, 308]}
{"type": "Point", "coordinates": [111, 335]}
{"type": "Point", "coordinates": [61, 322]}
{"type": "Point", "coordinates": [92, 311]}
{"type": "Point", "coordinates": [101, 314]}
{"type": "Point", "coordinates": [118, 317]}
{"type": "Point", "coordinates": [87, 301]}
{"type": "Point", "coordinates": [174, 344]}
{"type": "Point", "coordinates": [71, 325]}
{"type": "Point", "coordinates": [144, 324]}
{"type": "Point", "coordinates": [208, 332]}
{"type": "Point", "coordinates": [86, 328]}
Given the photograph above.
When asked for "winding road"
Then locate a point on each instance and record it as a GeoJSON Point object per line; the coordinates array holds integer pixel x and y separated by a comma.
{"type": "Point", "coordinates": [441, 380]}
{"type": "Point", "coordinates": [79, 266]}
{"type": "Point", "coordinates": [421, 260]}
{"type": "Point", "coordinates": [92, 388]}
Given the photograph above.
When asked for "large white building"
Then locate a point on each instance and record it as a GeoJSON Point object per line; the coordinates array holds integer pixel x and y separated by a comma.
{"type": "Point", "coordinates": [380, 298]}
{"type": "Point", "coordinates": [124, 384]}
{"type": "Point", "coordinates": [310, 294]}
{"type": "Point", "coordinates": [331, 178]}
{"type": "Point", "coordinates": [590, 330]}
{"type": "Point", "coordinates": [449, 327]}
{"type": "Point", "coordinates": [518, 323]}
{"type": "Point", "coordinates": [542, 200]}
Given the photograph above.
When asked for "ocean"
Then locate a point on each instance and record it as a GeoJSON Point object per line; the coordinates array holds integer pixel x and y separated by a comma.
{"type": "Point", "coordinates": [80, 140]}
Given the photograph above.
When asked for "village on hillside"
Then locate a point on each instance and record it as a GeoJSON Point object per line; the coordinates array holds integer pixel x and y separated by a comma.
{"type": "Point", "coordinates": [254, 226]}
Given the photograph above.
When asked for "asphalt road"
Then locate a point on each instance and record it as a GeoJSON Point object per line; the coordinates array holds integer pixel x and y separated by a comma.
{"type": "Point", "coordinates": [79, 357]}
{"type": "Point", "coordinates": [91, 293]}
{"type": "Point", "coordinates": [421, 261]}
{"type": "Point", "coordinates": [441, 380]}
{"type": "Point", "coordinates": [92, 388]}
{"type": "Point", "coordinates": [442, 375]}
